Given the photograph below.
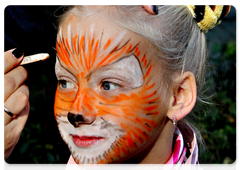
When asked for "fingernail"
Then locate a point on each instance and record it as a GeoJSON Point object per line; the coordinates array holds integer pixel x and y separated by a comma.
{"type": "Point", "coordinates": [18, 52]}
{"type": "Point", "coordinates": [155, 9]}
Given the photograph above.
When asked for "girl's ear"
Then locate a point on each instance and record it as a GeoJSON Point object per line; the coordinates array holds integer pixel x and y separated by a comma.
{"type": "Point", "coordinates": [184, 96]}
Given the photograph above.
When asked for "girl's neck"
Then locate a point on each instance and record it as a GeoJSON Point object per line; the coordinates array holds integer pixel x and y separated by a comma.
{"type": "Point", "coordinates": [162, 149]}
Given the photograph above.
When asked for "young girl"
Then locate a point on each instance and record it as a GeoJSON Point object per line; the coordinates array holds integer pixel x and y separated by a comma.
{"type": "Point", "coordinates": [127, 78]}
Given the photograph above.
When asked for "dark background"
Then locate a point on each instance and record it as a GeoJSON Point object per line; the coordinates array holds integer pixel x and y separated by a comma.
{"type": "Point", "coordinates": [34, 30]}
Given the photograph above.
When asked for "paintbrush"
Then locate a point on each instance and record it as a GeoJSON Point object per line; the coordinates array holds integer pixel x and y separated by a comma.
{"type": "Point", "coordinates": [34, 58]}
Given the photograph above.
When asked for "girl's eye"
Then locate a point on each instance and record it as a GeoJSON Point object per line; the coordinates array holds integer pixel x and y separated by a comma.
{"type": "Point", "coordinates": [66, 84]}
{"type": "Point", "coordinates": [106, 85]}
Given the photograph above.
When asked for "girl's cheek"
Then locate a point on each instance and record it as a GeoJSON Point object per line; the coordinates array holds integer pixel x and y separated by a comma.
{"type": "Point", "coordinates": [63, 102]}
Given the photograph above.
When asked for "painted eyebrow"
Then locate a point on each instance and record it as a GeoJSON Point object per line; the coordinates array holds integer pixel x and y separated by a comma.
{"type": "Point", "coordinates": [65, 68]}
{"type": "Point", "coordinates": [115, 62]}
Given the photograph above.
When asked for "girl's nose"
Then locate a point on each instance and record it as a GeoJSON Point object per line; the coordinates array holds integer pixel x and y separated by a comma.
{"type": "Point", "coordinates": [77, 119]}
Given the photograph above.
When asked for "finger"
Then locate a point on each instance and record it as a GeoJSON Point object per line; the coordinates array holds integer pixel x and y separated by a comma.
{"type": "Point", "coordinates": [16, 102]}
{"type": "Point", "coordinates": [20, 122]}
{"type": "Point", "coordinates": [13, 79]}
{"type": "Point", "coordinates": [10, 135]}
{"type": "Point", "coordinates": [149, 5]}
{"type": "Point", "coordinates": [11, 59]}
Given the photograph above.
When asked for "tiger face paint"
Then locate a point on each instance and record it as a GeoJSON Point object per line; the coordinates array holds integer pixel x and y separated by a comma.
{"type": "Point", "coordinates": [107, 104]}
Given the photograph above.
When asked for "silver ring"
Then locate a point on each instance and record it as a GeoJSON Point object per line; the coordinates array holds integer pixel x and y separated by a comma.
{"type": "Point", "coordinates": [9, 113]}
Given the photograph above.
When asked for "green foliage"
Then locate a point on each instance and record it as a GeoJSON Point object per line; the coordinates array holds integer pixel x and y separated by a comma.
{"type": "Point", "coordinates": [218, 125]}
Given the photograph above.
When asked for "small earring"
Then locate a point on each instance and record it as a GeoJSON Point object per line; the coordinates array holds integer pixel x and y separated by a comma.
{"type": "Point", "coordinates": [174, 119]}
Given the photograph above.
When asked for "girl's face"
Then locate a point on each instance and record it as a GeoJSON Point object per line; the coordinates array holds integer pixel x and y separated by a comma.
{"type": "Point", "coordinates": [108, 104]}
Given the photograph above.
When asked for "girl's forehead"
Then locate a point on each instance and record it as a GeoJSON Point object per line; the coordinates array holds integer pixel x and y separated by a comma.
{"type": "Point", "coordinates": [98, 42]}
{"type": "Point", "coordinates": [99, 27]}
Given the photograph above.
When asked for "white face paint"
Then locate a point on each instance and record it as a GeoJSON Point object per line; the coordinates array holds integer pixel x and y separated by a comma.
{"type": "Point", "coordinates": [90, 143]}
{"type": "Point", "coordinates": [126, 72]}
{"type": "Point", "coordinates": [107, 102]}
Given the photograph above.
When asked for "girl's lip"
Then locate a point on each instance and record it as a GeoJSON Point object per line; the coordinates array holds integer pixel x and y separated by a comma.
{"type": "Point", "coordinates": [86, 141]}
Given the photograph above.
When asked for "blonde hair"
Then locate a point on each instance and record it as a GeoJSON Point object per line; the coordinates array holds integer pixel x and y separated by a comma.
{"type": "Point", "coordinates": [174, 34]}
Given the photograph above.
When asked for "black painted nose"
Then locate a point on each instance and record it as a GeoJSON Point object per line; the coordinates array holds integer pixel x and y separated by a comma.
{"type": "Point", "coordinates": [77, 119]}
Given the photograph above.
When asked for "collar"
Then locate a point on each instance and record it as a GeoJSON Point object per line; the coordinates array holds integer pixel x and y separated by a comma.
{"type": "Point", "coordinates": [184, 152]}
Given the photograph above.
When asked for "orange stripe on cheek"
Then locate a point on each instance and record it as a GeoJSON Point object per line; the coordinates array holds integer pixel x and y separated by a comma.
{"type": "Point", "coordinates": [153, 100]}
{"type": "Point", "coordinates": [145, 63]}
{"type": "Point", "coordinates": [151, 122]}
{"type": "Point", "coordinates": [148, 71]}
{"type": "Point", "coordinates": [143, 58]}
{"type": "Point", "coordinates": [134, 131]}
{"type": "Point", "coordinates": [117, 152]}
{"type": "Point", "coordinates": [144, 134]}
{"type": "Point", "coordinates": [136, 50]}
{"type": "Point", "coordinates": [130, 142]}
{"type": "Point", "coordinates": [63, 99]}
{"type": "Point", "coordinates": [138, 53]}
{"type": "Point", "coordinates": [148, 96]}
{"type": "Point", "coordinates": [150, 108]}
{"type": "Point", "coordinates": [138, 137]}
{"type": "Point", "coordinates": [150, 86]}
{"type": "Point", "coordinates": [123, 150]}
{"type": "Point", "coordinates": [141, 122]}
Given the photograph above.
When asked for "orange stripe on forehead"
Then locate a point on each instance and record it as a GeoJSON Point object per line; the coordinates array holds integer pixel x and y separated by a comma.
{"type": "Point", "coordinates": [81, 50]}
{"type": "Point", "coordinates": [95, 52]}
{"type": "Point", "coordinates": [129, 48]}
{"type": "Point", "coordinates": [63, 54]}
{"type": "Point", "coordinates": [107, 60]}
{"type": "Point", "coordinates": [85, 56]}
{"type": "Point", "coordinates": [75, 44]}
{"type": "Point", "coordinates": [107, 44]}
{"type": "Point", "coordinates": [71, 52]}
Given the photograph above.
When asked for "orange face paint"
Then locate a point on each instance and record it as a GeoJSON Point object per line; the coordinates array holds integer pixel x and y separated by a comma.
{"type": "Point", "coordinates": [111, 86]}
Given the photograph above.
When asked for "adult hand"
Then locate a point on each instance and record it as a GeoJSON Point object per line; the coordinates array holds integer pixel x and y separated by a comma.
{"type": "Point", "coordinates": [16, 95]}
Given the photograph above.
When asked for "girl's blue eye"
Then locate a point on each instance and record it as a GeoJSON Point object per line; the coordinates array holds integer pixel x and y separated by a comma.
{"type": "Point", "coordinates": [106, 85]}
{"type": "Point", "coordinates": [65, 84]}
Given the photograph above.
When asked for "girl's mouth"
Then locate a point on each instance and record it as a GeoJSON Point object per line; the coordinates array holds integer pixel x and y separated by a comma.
{"type": "Point", "coordinates": [86, 141]}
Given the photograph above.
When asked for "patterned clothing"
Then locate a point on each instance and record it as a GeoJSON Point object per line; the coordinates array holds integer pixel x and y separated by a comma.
{"type": "Point", "coordinates": [184, 151]}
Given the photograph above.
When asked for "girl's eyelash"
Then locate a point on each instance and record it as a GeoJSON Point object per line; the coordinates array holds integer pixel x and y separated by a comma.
{"type": "Point", "coordinates": [61, 81]}
{"type": "Point", "coordinates": [66, 84]}
{"type": "Point", "coordinates": [108, 85]}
